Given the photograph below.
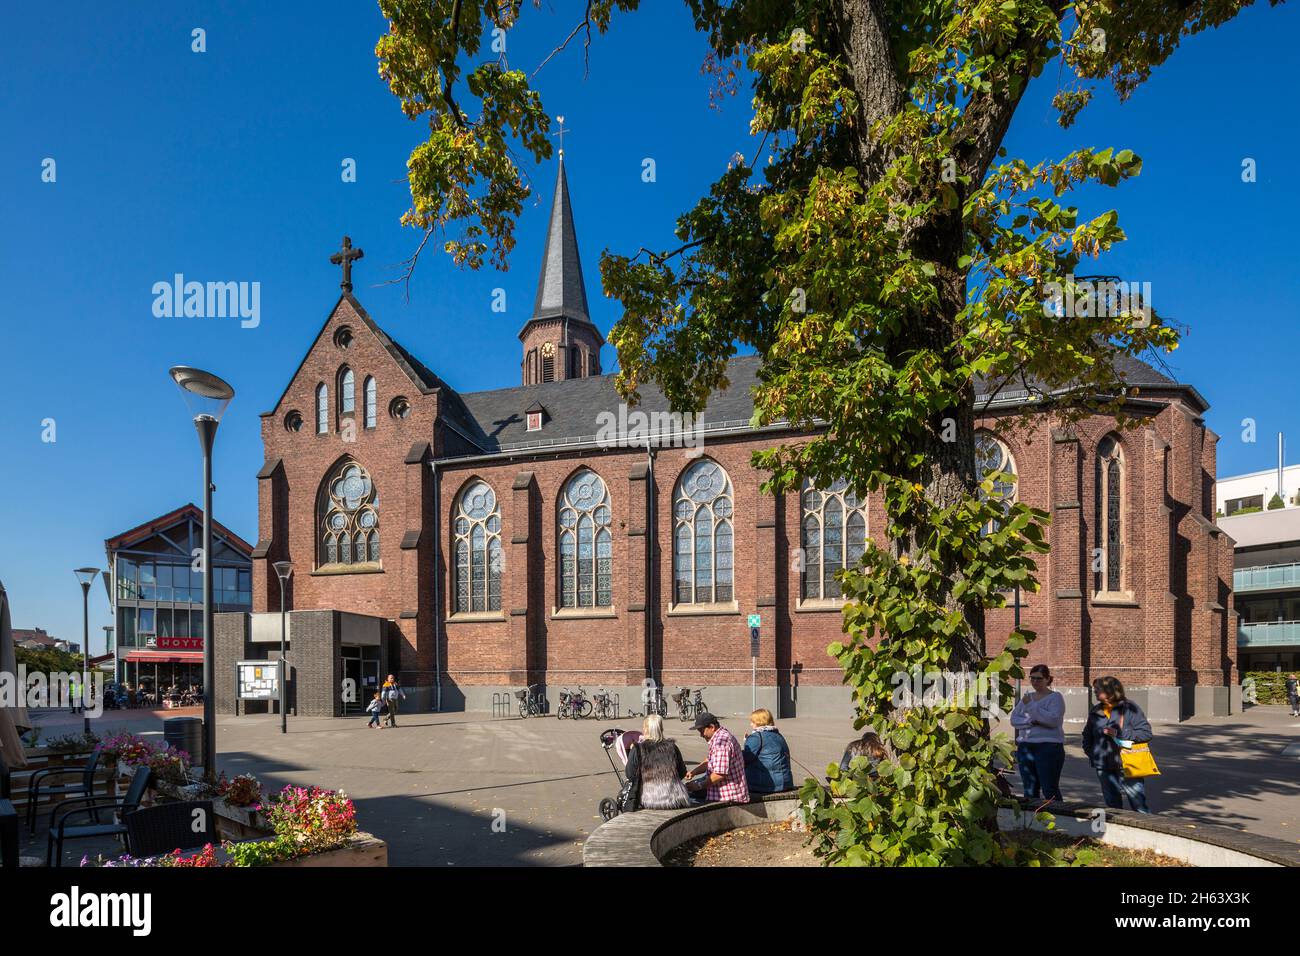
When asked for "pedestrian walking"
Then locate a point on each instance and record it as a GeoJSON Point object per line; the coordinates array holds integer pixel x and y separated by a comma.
{"type": "Point", "coordinates": [1039, 719]}
{"type": "Point", "coordinates": [374, 709]}
{"type": "Point", "coordinates": [1293, 693]}
{"type": "Point", "coordinates": [1114, 726]}
{"type": "Point", "coordinates": [392, 693]}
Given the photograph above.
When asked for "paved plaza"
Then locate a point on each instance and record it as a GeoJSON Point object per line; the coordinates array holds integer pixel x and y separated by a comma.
{"type": "Point", "coordinates": [433, 786]}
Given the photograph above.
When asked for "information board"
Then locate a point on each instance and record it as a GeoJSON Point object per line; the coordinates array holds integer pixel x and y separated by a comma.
{"type": "Point", "coordinates": [257, 680]}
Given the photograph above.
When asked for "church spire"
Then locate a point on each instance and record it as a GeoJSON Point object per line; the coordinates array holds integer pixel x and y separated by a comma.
{"type": "Point", "coordinates": [561, 292]}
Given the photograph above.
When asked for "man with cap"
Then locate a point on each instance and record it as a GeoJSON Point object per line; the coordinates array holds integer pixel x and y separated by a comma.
{"type": "Point", "coordinates": [725, 766]}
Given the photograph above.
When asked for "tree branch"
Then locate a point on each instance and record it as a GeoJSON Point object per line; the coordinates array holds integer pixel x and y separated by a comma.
{"type": "Point", "coordinates": [586, 46]}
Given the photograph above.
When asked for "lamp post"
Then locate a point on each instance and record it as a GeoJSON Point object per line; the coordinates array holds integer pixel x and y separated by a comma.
{"type": "Point", "coordinates": [87, 577]}
{"type": "Point", "coordinates": [207, 397]}
{"type": "Point", "coordinates": [109, 648]}
{"type": "Point", "coordinates": [284, 569]}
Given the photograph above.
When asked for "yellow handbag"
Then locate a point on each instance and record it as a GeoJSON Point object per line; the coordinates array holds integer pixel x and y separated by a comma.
{"type": "Point", "coordinates": [1137, 760]}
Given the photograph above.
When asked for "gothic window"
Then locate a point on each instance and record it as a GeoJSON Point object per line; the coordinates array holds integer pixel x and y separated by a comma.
{"type": "Point", "coordinates": [347, 392]}
{"type": "Point", "coordinates": [548, 362]}
{"type": "Point", "coordinates": [833, 535]}
{"type": "Point", "coordinates": [702, 535]}
{"type": "Point", "coordinates": [993, 457]}
{"type": "Point", "coordinates": [349, 517]}
{"type": "Point", "coordinates": [322, 409]}
{"type": "Point", "coordinates": [370, 401]}
{"type": "Point", "coordinates": [585, 545]}
{"type": "Point", "coordinates": [1108, 553]}
{"type": "Point", "coordinates": [478, 551]}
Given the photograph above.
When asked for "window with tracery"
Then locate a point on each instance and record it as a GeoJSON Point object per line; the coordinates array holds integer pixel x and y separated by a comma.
{"type": "Point", "coordinates": [993, 457]}
{"type": "Point", "coordinates": [585, 546]}
{"type": "Point", "coordinates": [1108, 558]}
{"type": "Point", "coordinates": [702, 535]}
{"type": "Point", "coordinates": [349, 518]}
{"type": "Point", "coordinates": [478, 554]}
{"type": "Point", "coordinates": [833, 535]}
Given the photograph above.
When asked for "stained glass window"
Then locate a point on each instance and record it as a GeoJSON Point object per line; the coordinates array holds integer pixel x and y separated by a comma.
{"type": "Point", "coordinates": [1109, 570]}
{"type": "Point", "coordinates": [992, 457]}
{"type": "Point", "coordinates": [833, 535]}
{"type": "Point", "coordinates": [702, 535]}
{"type": "Point", "coordinates": [347, 392]}
{"type": "Point", "coordinates": [350, 517]}
{"type": "Point", "coordinates": [479, 555]}
{"type": "Point", "coordinates": [585, 545]}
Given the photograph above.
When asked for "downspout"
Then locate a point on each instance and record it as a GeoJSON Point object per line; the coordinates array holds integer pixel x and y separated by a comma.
{"type": "Point", "coordinates": [652, 536]}
{"type": "Point", "coordinates": [437, 605]}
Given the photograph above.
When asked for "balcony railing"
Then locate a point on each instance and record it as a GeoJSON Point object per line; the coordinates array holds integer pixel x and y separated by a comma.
{"type": "Point", "coordinates": [1272, 634]}
{"type": "Point", "coordinates": [1266, 577]}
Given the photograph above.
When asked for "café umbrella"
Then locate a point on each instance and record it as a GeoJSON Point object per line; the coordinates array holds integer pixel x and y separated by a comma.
{"type": "Point", "coordinates": [13, 719]}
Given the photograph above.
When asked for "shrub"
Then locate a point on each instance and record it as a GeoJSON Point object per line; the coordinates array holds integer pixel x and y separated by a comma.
{"type": "Point", "coordinates": [126, 749]}
{"type": "Point", "coordinates": [1269, 686]}
{"type": "Point", "coordinates": [1276, 502]}
{"type": "Point", "coordinates": [73, 743]}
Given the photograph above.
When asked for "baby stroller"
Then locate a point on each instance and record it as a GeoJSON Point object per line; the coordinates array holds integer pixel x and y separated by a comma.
{"type": "Point", "coordinates": [621, 741]}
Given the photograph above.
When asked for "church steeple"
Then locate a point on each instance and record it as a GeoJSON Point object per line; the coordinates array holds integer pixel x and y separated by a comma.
{"type": "Point", "coordinates": [560, 340]}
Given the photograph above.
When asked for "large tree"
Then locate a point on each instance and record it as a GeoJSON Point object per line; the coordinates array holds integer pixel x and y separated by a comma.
{"type": "Point", "coordinates": [882, 254]}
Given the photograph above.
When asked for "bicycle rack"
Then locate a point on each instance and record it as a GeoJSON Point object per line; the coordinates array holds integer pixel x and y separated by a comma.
{"type": "Point", "coordinates": [501, 705]}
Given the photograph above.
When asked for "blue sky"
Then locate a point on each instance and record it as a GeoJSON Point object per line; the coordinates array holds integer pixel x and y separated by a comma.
{"type": "Point", "coordinates": [225, 166]}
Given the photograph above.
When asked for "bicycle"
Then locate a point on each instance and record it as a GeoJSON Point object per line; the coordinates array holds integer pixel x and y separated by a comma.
{"type": "Point", "coordinates": [531, 702]}
{"type": "Point", "coordinates": [575, 705]}
{"type": "Point", "coordinates": [605, 709]}
{"type": "Point", "coordinates": [689, 708]}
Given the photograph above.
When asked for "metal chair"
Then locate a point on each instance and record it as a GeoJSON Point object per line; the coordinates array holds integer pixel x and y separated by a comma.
{"type": "Point", "coordinates": [39, 782]}
{"type": "Point", "coordinates": [60, 830]}
{"type": "Point", "coordinates": [171, 826]}
{"type": "Point", "coordinates": [8, 835]}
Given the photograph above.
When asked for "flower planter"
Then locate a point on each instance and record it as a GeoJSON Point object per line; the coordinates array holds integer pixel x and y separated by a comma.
{"type": "Point", "coordinates": [361, 849]}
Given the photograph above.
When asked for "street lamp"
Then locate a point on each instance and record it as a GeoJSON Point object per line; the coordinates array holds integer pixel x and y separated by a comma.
{"type": "Point", "coordinates": [207, 397]}
{"type": "Point", "coordinates": [87, 577]}
{"type": "Point", "coordinates": [285, 571]}
{"type": "Point", "coordinates": [109, 647]}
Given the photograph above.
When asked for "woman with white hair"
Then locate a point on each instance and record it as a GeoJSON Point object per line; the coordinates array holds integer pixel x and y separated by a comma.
{"type": "Point", "coordinates": [655, 769]}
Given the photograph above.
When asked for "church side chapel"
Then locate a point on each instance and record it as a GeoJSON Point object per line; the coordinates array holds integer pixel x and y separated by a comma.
{"type": "Point", "coordinates": [479, 542]}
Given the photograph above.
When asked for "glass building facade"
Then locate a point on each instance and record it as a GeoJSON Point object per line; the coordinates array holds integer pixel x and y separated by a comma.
{"type": "Point", "coordinates": [158, 598]}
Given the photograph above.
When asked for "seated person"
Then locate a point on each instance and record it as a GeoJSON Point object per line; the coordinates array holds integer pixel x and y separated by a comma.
{"type": "Point", "coordinates": [725, 766]}
{"type": "Point", "coordinates": [869, 746]}
{"type": "Point", "coordinates": [655, 768]}
{"type": "Point", "coordinates": [767, 756]}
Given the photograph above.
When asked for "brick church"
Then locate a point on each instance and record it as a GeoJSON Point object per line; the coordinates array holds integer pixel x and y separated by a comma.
{"type": "Point", "coordinates": [479, 542]}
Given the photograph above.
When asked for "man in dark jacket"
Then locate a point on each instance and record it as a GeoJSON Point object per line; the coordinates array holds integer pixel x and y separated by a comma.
{"type": "Point", "coordinates": [1114, 719]}
{"type": "Point", "coordinates": [1293, 694]}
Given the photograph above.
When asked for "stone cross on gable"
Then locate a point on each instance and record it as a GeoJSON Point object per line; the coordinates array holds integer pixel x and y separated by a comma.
{"type": "Point", "coordinates": [345, 257]}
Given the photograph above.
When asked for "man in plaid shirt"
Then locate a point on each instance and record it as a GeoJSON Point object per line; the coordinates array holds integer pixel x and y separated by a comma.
{"type": "Point", "coordinates": [725, 764]}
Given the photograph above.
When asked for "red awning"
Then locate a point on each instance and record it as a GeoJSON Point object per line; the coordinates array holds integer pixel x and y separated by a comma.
{"type": "Point", "coordinates": [165, 657]}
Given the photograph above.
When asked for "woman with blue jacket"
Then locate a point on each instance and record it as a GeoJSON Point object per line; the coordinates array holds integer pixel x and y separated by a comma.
{"type": "Point", "coordinates": [1114, 723]}
{"type": "Point", "coordinates": [767, 756]}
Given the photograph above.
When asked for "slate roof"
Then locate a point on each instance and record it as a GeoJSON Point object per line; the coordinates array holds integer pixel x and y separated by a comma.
{"type": "Point", "coordinates": [561, 291]}
{"type": "Point", "coordinates": [573, 405]}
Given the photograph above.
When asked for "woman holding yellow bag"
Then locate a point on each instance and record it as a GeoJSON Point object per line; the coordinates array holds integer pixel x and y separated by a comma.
{"type": "Point", "coordinates": [1117, 739]}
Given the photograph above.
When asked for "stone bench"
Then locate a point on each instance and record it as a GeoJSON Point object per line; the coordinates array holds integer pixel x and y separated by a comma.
{"type": "Point", "coordinates": [1195, 843]}
{"type": "Point", "coordinates": [645, 837]}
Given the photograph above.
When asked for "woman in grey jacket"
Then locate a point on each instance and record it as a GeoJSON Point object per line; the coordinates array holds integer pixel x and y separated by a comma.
{"type": "Point", "coordinates": [1040, 736]}
{"type": "Point", "coordinates": [1113, 723]}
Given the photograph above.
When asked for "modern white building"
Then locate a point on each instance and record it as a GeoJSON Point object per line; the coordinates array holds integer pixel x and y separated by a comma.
{"type": "Point", "coordinates": [1266, 586]}
{"type": "Point", "coordinates": [1254, 491]}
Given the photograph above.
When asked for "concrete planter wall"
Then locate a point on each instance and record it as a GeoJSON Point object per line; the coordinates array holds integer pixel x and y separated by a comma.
{"type": "Point", "coordinates": [646, 837]}
{"type": "Point", "coordinates": [362, 849]}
